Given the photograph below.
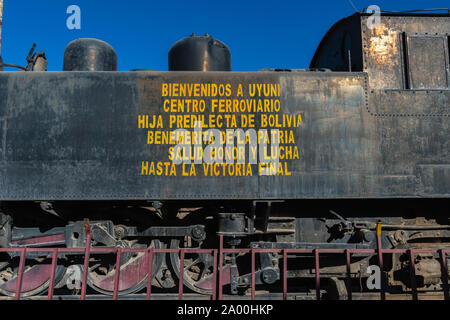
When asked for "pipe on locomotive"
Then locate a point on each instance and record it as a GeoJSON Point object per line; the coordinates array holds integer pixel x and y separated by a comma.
{"type": "Point", "coordinates": [199, 53]}
{"type": "Point", "coordinates": [194, 53]}
{"type": "Point", "coordinates": [89, 55]}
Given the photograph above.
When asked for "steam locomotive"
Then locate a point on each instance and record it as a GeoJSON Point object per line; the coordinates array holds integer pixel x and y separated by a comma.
{"type": "Point", "coordinates": [274, 159]}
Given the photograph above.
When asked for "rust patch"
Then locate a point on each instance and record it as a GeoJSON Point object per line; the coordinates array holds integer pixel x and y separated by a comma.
{"type": "Point", "coordinates": [383, 44]}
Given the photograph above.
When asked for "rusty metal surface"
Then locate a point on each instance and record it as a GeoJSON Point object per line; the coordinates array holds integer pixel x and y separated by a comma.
{"type": "Point", "coordinates": [76, 136]}
{"type": "Point", "coordinates": [404, 51]}
{"type": "Point", "coordinates": [429, 53]}
{"type": "Point", "coordinates": [383, 53]}
{"type": "Point", "coordinates": [406, 59]}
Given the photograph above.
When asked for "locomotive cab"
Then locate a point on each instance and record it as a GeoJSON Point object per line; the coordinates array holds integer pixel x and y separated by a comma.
{"type": "Point", "coordinates": [401, 51]}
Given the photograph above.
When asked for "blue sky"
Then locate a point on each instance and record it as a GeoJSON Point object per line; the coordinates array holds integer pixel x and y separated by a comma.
{"type": "Point", "coordinates": [259, 33]}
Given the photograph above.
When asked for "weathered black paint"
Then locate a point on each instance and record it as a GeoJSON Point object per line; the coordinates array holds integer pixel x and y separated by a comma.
{"type": "Point", "coordinates": [89, 55]}
{"type": "Point", "coordinates": [74, 136]}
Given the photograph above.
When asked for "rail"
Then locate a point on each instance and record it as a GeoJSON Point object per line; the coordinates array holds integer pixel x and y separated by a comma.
{"type": "Point", "coordinates": [218, 254]}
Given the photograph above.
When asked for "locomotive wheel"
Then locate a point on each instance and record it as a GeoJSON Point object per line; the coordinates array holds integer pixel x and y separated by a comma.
{"type": "Point", "coordinates": [35, 280]}
{"type": "Point", "coordinates": [198, 267]}
{"type": "Point", "coordinates": [133, 270]}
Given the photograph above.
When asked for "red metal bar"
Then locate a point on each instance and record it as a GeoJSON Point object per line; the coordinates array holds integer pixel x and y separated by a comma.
{"type": "Point", "coordinates": [54, 239]}
{"type": "Point", "coordinates": [380, 261]}
{"type": "Point", "coordinates": [86, 259]}
{"type": "Point", "coordinates": [23, 252]}
{"type": "Point", "coordinates": [214, 286]}
{"type": "Point", "coordinates": [51, 284]}
{"type": "Point", "coordinates": [316, 258]}
{"type": "Point", "coordinates": [220, 265]}
{"type": "Point", "coordinates": [349, 279]}
{"type": "Point", "coordinates": [149, 273]}
{"type": "Point", "coordinates": [132, 250]}
{"type": "Point", "coordinates": [412, 272]}
{"type": "Point", "coordinates": [253, 275]}
{"type": "Point", "coordinates": [444, 272]}
{"type": "Point", "coordinates": [180, 284]}
{"type": "Point", "coordinates": [117, 275]}
{"type": "Point", "coordinates": [284, 275]}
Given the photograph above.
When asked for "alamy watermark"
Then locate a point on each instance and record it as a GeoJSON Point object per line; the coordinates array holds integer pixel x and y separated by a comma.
{"type": "Point", "coordinates": [263, 147]}
{"type": "Point", "coordinates": [374, 21]}
{"type": "Point", "coordinates": [73, 22]}
{"type": "Point", "coordinates": [374, 280]}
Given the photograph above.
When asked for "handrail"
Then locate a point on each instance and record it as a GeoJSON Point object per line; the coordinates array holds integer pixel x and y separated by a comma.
{"type": "Point", "coordinates": [218, 271]}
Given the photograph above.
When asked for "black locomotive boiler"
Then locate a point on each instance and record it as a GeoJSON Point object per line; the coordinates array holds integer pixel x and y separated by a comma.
{"type": "Point", "coordinates": [319, 158]}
